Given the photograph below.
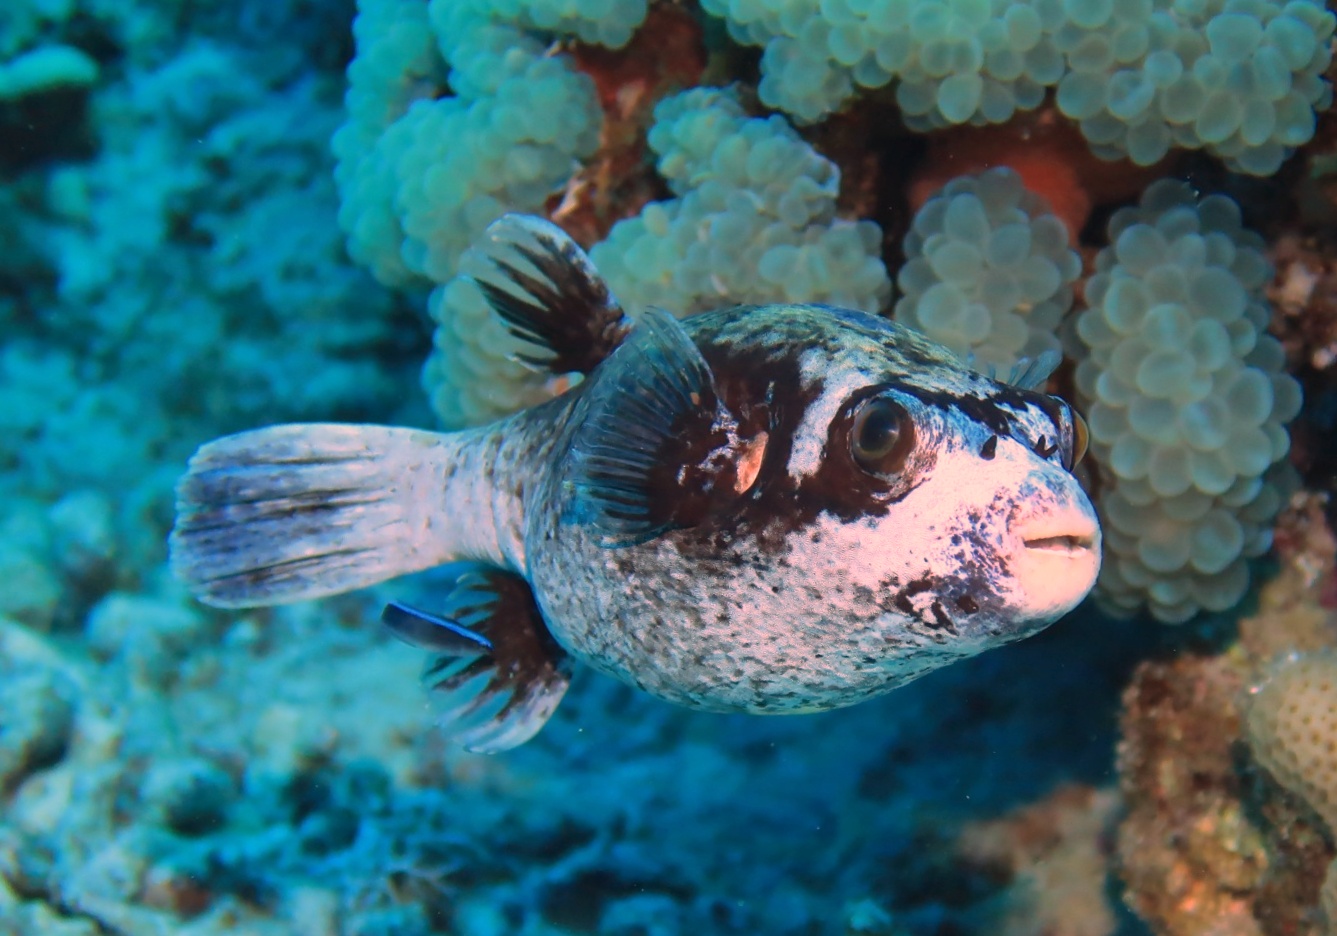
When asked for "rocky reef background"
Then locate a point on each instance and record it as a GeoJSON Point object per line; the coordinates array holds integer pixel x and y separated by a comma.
{"type": "Point", "coordinates": [172, 268]}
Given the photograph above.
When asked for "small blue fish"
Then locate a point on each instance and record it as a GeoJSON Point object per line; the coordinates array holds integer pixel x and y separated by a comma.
{"type": "Point", "coordinates": [765, 509]}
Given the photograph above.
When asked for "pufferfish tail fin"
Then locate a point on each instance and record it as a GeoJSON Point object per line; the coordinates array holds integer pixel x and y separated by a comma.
{"type": "Point", "coordinates": [496, 673]}
{"type": "Point", "coordinates": [305, 510]}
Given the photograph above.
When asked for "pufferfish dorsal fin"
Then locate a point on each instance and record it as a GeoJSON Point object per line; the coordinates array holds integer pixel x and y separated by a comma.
{"type": "Point", "coordinates": [1033, 373]}
{"type": "Point", "coordinates": [550, 295]}
{"type": "Point", "coordinates": [496, 674]}
{"type": "Point", "coordinates": [658, 448]}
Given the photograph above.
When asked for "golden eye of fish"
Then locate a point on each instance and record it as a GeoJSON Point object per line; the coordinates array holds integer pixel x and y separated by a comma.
{"type": "Point", "coordinates": [882, 437]}
{"type": "Point", "coordinates": [1080, 438]}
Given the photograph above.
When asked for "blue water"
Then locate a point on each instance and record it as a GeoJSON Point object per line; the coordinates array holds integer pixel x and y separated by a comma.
{"type": "Point", "coordinates": [171, 270]}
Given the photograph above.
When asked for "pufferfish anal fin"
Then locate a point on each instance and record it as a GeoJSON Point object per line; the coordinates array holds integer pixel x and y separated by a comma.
{"type": "Point", "coordinates": [496, 674]}
{"type": "Point", "coordinates": [550, 295]}
{"type": "Point", "coordinates": [657, 449]}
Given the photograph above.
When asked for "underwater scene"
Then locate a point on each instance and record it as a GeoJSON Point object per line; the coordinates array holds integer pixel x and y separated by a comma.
{"type": "Point", "coordinates": [668, 468]}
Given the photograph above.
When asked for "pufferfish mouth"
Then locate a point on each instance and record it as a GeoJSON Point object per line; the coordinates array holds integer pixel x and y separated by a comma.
{"type": "Point", "coordinates": [1064, 532]}
{"type": "Point", "coordinates": [1057, 562]}
{"type": "Point", "coordinates": [1061, 542]}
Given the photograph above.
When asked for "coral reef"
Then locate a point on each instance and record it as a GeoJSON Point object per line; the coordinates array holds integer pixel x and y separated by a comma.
{"type": "Point", "coordinates": [754, 220]}
{"type": "Point", "coordinates": [1241, 79]}
{"type": "Point", "coordinates": [231, 789]}
{"type": "Point", "coordinates": [988, 271]}
{"type": "Point", "coordinates": [422, 171]}
{"type": "Point", "coordinates": [1187, 848]}
{"type": "Point", "coordinates": [1056, 855]}
{"type": "Point", "coordinates": [1210, 843]}
{"type": "Point", "coordinates": [1187, 403]}
{"type": "Point", "coordinates": [206, 225]}
{"type": "Point", "coordinates": [1291, 722]}
{"type": "Point", "coordinates": [1292, 727]}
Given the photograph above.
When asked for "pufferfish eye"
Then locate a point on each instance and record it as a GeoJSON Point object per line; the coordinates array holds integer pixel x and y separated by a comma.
{"type": "Point", "coordinates": [1072, 434]}
{"type": "Point", "coordinates": [1080, 438]}
{"type": "Point", "coordinates": [882, 436]}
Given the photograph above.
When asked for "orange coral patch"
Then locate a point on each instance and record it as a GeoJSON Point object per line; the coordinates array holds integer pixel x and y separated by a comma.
{"type": "Point", "coordinates": [1049, 154]}
{"type": "Point", "coordinates": [667, 54]}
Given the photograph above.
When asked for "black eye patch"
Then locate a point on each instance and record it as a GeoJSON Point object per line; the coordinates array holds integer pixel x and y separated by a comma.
{"type": "Point", "coordinates": [990, 448]}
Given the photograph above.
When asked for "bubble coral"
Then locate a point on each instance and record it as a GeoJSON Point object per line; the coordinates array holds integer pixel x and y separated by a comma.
{"type": "Point", "coordinates": [1241, 78]}
{"type": "Point", "coordinates": [1187, 403]}
{"type": "Point", "coordinates": [753, 221]}
{"type": "Point", "coordinates": [421, 171]}
{"type": "Point", "coordinates": [988, 271]}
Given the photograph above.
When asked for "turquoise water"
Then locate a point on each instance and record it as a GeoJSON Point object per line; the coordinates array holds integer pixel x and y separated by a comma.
{"type": "Point", "coordinates": [172, 269]}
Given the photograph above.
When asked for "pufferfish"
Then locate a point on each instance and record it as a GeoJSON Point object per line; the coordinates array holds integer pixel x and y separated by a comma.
{"type": "Point", "coordinates": [766, 509]}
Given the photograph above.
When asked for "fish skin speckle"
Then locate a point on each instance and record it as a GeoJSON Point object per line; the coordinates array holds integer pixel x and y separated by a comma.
{"type": "Point", "coordinates": [799, 528]}
{"type": "Point", "coordinates": [706, 516]}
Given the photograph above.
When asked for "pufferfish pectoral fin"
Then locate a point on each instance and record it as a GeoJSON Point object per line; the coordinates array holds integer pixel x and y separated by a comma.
{"type": "Point", "coordinates": [496, 674]}
{"type": "Point", "coordinates": [550, 295]}
{"type": "Point", "coordinates": [657, 449]}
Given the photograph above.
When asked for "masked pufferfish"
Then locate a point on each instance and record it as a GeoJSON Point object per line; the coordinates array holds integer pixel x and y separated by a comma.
{"type": "Point", "coordinates": [767, 509]}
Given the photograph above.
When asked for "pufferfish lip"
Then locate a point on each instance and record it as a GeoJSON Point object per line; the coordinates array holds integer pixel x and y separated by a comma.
{"type": "Point", "coordinates": [1063, 532]}
{"type": "Point", "coordinates": [1062, 543]}
{"type": "Point", "coordinates": [1056, 560]}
